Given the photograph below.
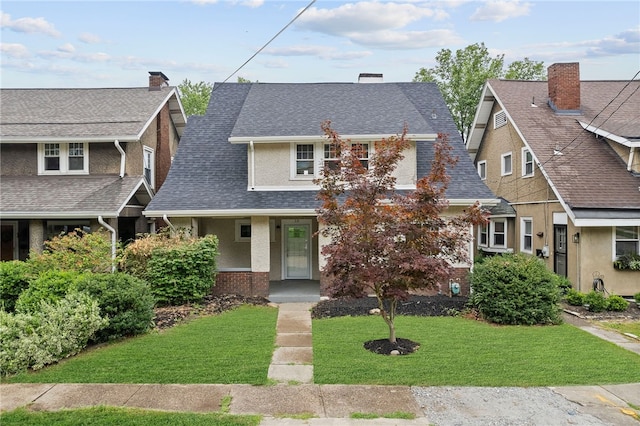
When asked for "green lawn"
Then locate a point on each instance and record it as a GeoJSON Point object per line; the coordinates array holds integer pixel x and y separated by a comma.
{"type": "Point", "coordinates": [632, 327]}
{"type": "Point", "coordinates": [98, 416]}
{"type": "Point", "coordinates": [462, 352]}
{"type": "Point", "coordinates": [235, 347]}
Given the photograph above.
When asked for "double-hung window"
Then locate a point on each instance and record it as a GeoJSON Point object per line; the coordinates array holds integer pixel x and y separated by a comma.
{"type": "Point", "coordinates": [527, 162]}
{"type": "Point", "coordinates": [482, 169]}
{"type": "Point", "coordinates": [483, 235]}
{"type": "Point", "coordinates": [63, 158]}
{"type": "Point", "coordinates": [333, 154]}
{"type": "Point", "coordinates": [627, 240]}
{"type": "Point", "coordinates": [526, 232]}
{"type": "Point", "coordinates": [506, 164]}
{"type": "Point", "coordinates": [304, 160]}
{"type": "Point", "coordinates": [148, 160]}
{"type": "Point", "coordinates": [499, 233]}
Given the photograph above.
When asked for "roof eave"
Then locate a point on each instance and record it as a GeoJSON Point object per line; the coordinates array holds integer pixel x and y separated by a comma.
{"type": "Point", "coordinates": [60, 139]}
{"type": "Point", "coordinates": [323, 138]}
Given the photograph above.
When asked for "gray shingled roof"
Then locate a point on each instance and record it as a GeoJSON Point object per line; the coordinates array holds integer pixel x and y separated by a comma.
{"type": "Point", "coordinates": [588, 174]}
{"type": "Point", "coordinates": [69, 196]}
{"type": "Point", "coordinates": [87, 114]}
{"type": "Point", "coordinates": [210, 173]}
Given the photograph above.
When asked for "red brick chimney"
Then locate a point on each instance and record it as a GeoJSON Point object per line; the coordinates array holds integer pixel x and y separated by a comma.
{"type": "Point", "coordinates": [157, 80]}
{"type": "Point", "coordinates": [564, 87]}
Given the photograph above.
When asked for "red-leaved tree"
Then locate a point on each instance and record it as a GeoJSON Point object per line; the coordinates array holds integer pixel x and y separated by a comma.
{"type": "Point", "coordinates": [386, 241]}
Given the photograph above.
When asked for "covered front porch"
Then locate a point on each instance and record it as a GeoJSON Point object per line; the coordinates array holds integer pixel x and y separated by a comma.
{"type": "Point", "coordinates": [294, 291]}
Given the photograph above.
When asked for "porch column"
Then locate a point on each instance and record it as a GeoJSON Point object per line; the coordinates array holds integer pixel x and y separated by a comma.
{"type": "Point", "coordinates": [36, 235]}
{"type": "Point", "coordinates": [260, 254]}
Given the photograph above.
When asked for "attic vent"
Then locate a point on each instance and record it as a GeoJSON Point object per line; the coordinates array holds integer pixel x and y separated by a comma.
{"type": "Point", "coordinates": [499, 119]}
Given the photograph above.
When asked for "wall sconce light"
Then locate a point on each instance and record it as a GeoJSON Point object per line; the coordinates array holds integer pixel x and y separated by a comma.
{"type": "Point", "coordinates": [576, 237]}
{"type": "Point", "coordinates": [540, 234]}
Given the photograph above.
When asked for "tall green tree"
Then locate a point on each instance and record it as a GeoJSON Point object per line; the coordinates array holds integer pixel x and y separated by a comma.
{"type": "Point", "coordinates": [526, 70]}
{"type": "Point", "coordinates": [461, 75]}
{"type": "Point", "coordinates": [384, 242]}
{"type": "Point", "coordinates": [195, 96]}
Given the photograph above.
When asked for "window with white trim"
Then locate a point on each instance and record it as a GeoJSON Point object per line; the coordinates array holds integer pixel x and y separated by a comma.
{"type": "Point", "coordinates": [527, 162]}
{"type": "Point", "coordinates": [243, 230]}
{"type": "Point", "coordinates": [482, 169]}
{"type": "Point", "coordinates": [332, 154]}
{"type": "Point", "coordinates": [627, 240]}
{"type": "Point", "coordinates": [63, 158]}
{"type": "Point", "coordinates": [526, 235]}
{"type": "Point", "coordinates": [148, 160]}
{"type": "Point", "coordinates": [506, 160]}
{"type": "Point", "coordinates": [304, 160]}
{"type": "Point", "coordinates": [498, 233]}
{"type": "Point", "coordinates": [483, 234]}
{"type": "Point", "coordinates": [499, 119]}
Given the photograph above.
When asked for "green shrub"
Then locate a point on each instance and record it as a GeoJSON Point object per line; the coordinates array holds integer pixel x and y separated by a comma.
{"type": "Point", "coordinates": [124, 299]}
{"type": "Point", "coordinates": [13, 281]}
{"type": "Point", "coordinates": [184, 272]}
{"type": "Point", "coordinates": [50, 286]}
{"type": "Point", "coordinates": [575, 298]}
{"type": "Point", "coordinates": [596, 301]}
{"type": "Point", "coordinates": [137, 254]}
{"type": "Point", "coordinates": [563, 283]}
{"type": "Point", "coordinates": [636, 297]}
{"type": "Point", "coordinates": [616, 303]}
{"type": "Point", "coordinates": [53, 332]}
{"type": "Point", "coordinates": [515, 289]}
{"type": "Point", "coordinates": [75, 251]}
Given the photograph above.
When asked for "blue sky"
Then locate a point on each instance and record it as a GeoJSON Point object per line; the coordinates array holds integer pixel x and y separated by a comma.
{"type": "Point", "coordinates": [115, 43]}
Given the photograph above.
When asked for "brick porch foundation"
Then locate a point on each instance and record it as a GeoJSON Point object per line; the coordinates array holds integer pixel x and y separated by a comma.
{"type": "Point", "coordinates": [242, 283]}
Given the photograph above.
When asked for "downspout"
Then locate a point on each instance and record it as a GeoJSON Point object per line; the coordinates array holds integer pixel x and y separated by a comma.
{"type": "Point", "coordinates": [166, 220]}
{"type": "Point", "coordinates": [253, 163]}
{"type": "Point", "coordinates": [113, 242]}
{"type": "Point", "coordinates": [123, 157]}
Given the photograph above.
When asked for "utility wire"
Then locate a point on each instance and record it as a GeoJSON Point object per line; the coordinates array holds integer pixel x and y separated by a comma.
{"type": "Point", "coordinates": [266, 44]}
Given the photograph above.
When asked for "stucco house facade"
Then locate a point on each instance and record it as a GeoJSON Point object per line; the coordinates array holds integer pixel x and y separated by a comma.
{"type": "Point", "coordinates": [563, 155]}
{"type": "Point", "coordinates": [83, 158]}
{"type": "Point", "coordinates": [244, 171]}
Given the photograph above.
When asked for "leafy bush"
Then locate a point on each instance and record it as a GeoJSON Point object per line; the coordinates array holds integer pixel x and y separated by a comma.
{"type": "Point", "coordinates": [596, 301]}
{"type": "Point", "coordinates": [574, 298]}
{"type": "Point", "coordinates": [55, 331]}
{"type": "Point", "coordinates": [636, 297]}
{"type": "Point", "coordinates": [616, 303]}
{"type": "Point", "coordinates": [563, 283]}
{"type": "Point", "coordinates": [137, 254]}
{"type": "Point", "coordinates": [50, 286]}
{"type": "Point", "coordinates": [13, 281]}
{"type": "Point", "coordinates": [76, 251]}
{"type": "Point", "coordinates": [184, 272]}
{"type": "Point", "coordinates": [628, 261]}
{"type": "Point", "coordinates": [515, 289]}
{"type": "Point", "coordinates": [124, 299]}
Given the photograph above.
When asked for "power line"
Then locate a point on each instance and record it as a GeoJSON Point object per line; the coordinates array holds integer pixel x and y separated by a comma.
{"type": "Point", "coordinates": [266, 44]}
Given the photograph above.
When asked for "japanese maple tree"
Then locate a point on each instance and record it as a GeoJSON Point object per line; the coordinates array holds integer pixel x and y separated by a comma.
{"type": "Point", "coordinates": [385, 241]}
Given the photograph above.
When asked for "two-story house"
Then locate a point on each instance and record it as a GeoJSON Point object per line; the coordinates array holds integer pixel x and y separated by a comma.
{"type": "Point", "coordinates": [245, 170]}
{"type": "Point", "coordinates": [563, 153]}
{"type": "Point", "coordinates": [83, 158]}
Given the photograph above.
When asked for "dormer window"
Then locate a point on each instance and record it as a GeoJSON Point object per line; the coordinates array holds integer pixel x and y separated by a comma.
{"type": "Point", "coordinates": [304, 160]}
{"type": "Point", "coordinates": [332, 154]}
{"type": "Point", "coordinates": [63, 158]}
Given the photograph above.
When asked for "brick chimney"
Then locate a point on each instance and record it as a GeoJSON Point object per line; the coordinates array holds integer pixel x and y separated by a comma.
{"type": "Point", "coordinates": [564, 87]}
{"type": "Point", "coordinates": [157, 80]}
{"type": "Point", "coordinates": [365, 77]}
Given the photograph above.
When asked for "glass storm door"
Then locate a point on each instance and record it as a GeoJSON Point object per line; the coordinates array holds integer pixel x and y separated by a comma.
{"type": "Point", "coordinates": [296, 251]}
{"type": "Point", "coordinates": [560, 250]}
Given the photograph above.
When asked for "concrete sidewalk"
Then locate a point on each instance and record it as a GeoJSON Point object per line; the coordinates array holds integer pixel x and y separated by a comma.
{"type": "Point", "coordinates": [294, 395]}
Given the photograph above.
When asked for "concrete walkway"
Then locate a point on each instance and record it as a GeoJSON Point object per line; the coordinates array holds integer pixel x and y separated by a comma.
{"type": "Point", "coordinates": [295, 395]}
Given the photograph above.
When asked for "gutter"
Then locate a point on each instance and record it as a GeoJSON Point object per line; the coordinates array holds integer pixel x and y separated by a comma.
{"type": "Point", "coordinates": [113, 242]}
{"type": "Point", "coordinates": [123, 157]}
{"type": "Point", "coordinates": [253, 165]}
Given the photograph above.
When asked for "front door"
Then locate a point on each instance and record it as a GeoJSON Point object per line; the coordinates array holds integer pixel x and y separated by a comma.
{"type": "Point", "coordinates": [297, 244]}
{"type": "Point", "coordinates": [560, 250]}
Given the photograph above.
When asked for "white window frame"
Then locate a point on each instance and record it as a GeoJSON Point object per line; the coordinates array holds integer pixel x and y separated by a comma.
{"type": "Point", "coordinates": [294, 162]}
{"type": "Point", "coordinates": [338, 156]}
{"type": "Point", "coordinates": [147, 150]}
{"type": "Point", "coordinates": [483, 229]}
{"type": "Point", "coordinates": [492, 233]}
{"type": "Point", "coordinates": [499, 119]}
{"type": "Point", "coordinates": [524, 235]}
{"type": "Point", "coordinates": [615, 240]}
{"type": "Point", "coordinates": [482, 169]}
{"type": "Point", "coordinates": [504, 163]}
{"type": "Point", "coordinates": [526, 151]}
{"type": "Point", "coordinates": [239, 225]}
{"type": "Point", "coordinates": [64, 159]}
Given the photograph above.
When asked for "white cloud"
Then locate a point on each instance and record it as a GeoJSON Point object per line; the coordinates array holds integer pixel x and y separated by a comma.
{"type": "Point", "coordinates": [322, 52]}
{"type": "Point", "coordinates": [14, 50]}
{"type": "Point", "coordinates": [67, 48]}
{"type": "Point", "coordinates": [623, 43]}
{"type": "Point", "coordinates": [28, 25]}
{"type": "Point", "coordinates": [248, 3]}
{"type": "Point", "coordinates": [500, 10]}
{"type": "Point", "coordinates": [406, 39]}
{"type": "Point", "coordinates": [90, 38]}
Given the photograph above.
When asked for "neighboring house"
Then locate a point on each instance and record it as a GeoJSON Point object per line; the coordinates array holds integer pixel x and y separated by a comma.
{"type": "Point", "coordinates": [83, 158]}
{"type": "Point", "coordinates": [564, 154]}
{"type": "Point", "coordinates": [245, 170]}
